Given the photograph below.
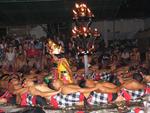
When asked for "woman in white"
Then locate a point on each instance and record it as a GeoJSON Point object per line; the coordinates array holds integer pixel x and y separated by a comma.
{"type": "Point", "coordinates": [10, 58]}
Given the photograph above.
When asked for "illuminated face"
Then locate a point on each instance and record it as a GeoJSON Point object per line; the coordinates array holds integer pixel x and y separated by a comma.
{"type": "Point", "coordinates": [53, 48]}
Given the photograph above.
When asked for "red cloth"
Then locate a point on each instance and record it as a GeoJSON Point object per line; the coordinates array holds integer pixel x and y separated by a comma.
{"type": "Point", "coordinates": [1, 111]}
{"type": "Point", "coordinates": [97, 77]}
{"type": "Point", "coordinates": [32, 52]}
{"type": "Point", "coordinates": [137, 110]}
{"type": "Point", "coordinates": [34, 100]}
{"type": "Point", "coordinates": [55, 74]}
{"type": "Point", "coordinates": [147, 90]}
{"type": "Point", "coordinates": [24, 99]}
{"type": "Point", "coordinates": [110, 97]}
{"type": "Point", "coordinates": [82, 97]}
{"type": "Point", "coordinates": [80, 112]}
{"type": "Point", "coordinates": [126, 95]}
{"type": "Point", "coordinates": [53, 102]}
{"type": "Point", "coordinates": [6, 95]}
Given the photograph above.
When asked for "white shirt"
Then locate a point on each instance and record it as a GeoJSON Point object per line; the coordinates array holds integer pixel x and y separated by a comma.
{"type": "Point", "coordinates": [125, 55]}
{"type": "Point", "coordinates": [10, 56]}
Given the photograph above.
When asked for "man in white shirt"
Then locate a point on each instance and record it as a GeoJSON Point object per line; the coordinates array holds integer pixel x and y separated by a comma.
{"type": "Point", "coordinates": [125, 56]}
{"type": "Point", "coordinates": [10, 58]}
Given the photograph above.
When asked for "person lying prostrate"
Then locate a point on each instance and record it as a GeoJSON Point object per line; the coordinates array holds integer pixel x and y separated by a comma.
{"type": "Point", "coordinates": [133, 89]}
{"type": "Point", "coordinates": [11, 84]}
{"type": "Point", "coordinates": [34, 90]}
{"type": "Point", "coordinates": [4, 81]}
{"type": "Point", "coordinates": [31, 91]}
{"type": "Point", "coordinates": [145, 73]}
{"type": "Point", "coordinates": [69, 88]}
{"type": "Point", "coordinates": [70, 94]}
{"type": "Point", "coordinates": [129, 90]}
{"type": "Point", "coordinates": [135, 83]}
{"type": "Point", "coordinates": [15, 91]}
{"type": "Point", "coordinates": [103, 87]}
{"type": "Point", "coordinates": [106, 92]}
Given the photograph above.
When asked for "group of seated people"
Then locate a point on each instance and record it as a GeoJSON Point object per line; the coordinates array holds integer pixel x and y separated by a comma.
{"type": "Point", "coordinates": [38, 89]}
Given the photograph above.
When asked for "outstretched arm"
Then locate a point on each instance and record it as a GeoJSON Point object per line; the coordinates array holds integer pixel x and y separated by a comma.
{"type": "Point", "coordinates": [34, 91]}
{"type": "Point", "coordinates": [20, 90]}
{"type": "Point", "coordinates": [103, 89]}
{"type": "Point", "coordinates": [69, 90]}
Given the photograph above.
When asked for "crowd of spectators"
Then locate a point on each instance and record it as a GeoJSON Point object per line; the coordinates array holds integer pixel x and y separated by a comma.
{"type": "Point", "coordinates": [119, 53]}
{"type": "Point", "coordinates": [20, 53]}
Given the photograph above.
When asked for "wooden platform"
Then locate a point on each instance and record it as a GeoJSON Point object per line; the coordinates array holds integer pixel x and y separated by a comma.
{"type": "Point", "coordinates": [103, 108]}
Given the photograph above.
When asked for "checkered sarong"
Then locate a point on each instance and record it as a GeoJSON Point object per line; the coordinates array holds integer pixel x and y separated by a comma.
{"type": "Point", "coordinates": [131, 94]}
{"type": "Point", "coordinates": [101, 76]}
{"type": "Point", "coordinates": [105, 76]}
{"type": "Point", "coordinates": [136, 110]}
{"type": "Point", "coordinates": [28, 100]}
{"type": "Point", "coordinates": [97, 98]}
{"type": "Point", "coordinates": [67, 100]}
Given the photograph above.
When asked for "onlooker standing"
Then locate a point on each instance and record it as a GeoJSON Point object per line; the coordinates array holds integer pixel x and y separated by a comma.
{"type": "Point", "coordinates": [1, 53]}
{"type": "Point", "coordinates": [10, 58]}
{"type": "Point", "coordinates": [148, 58]}
{"type": "Point", "coordinates": [135, 56]}
{"type": "Point", "coordinates": [125, 56]}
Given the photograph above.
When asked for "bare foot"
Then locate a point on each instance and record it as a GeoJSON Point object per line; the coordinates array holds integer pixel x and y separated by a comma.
{"type": "Point", "coordinates": [119, 99]}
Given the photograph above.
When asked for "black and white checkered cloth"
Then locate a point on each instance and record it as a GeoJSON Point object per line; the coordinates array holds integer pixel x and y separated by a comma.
{"type": "Point", "coordinates": [101, 76]}
{"type": "Point", "coordinates": [97, 98]}
{"type": "Point", "coordinates": [67, 100]}
{"type": "Point", "coordinates": [136, 110]}
{"type": "Point", "coordinates": [134, 94]}
{"type": "Point", "coordinates": [148, 84]}
{"type": "Point", "coordinates": [105, 76]}
{"type": "Point", "coordinates": [96, 76]}
{"type": "Point", "coordinates": [29, 100]}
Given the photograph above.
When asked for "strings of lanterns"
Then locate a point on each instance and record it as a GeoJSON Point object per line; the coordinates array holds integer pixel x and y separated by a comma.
{"type": "Point", "coordinates": [82, 11]}
{"type": "Point", "coordinates": [77, 32]}
{"type": "Point", "coordinates": [83, 35]}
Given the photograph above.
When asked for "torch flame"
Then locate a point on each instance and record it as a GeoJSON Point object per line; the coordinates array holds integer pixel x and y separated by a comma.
{"type": "Point", "coordinates": [74, 12]}
{"type": "Point", "coordinates": [83, 5]}
{"type": "Point", "coordinates": [84, 29]}
{"type": "Point", "coordinates": [77, 5]}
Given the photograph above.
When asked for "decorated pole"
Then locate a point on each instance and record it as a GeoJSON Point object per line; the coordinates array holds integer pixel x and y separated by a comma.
{"type": "Point", "coordinates": [82, 34]}
{"type": "Point", "coordinates": [86, 64]}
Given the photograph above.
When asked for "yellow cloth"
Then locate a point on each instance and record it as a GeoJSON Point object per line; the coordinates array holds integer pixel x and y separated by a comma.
{"type": "Point", "coordinates": [63, 65]}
